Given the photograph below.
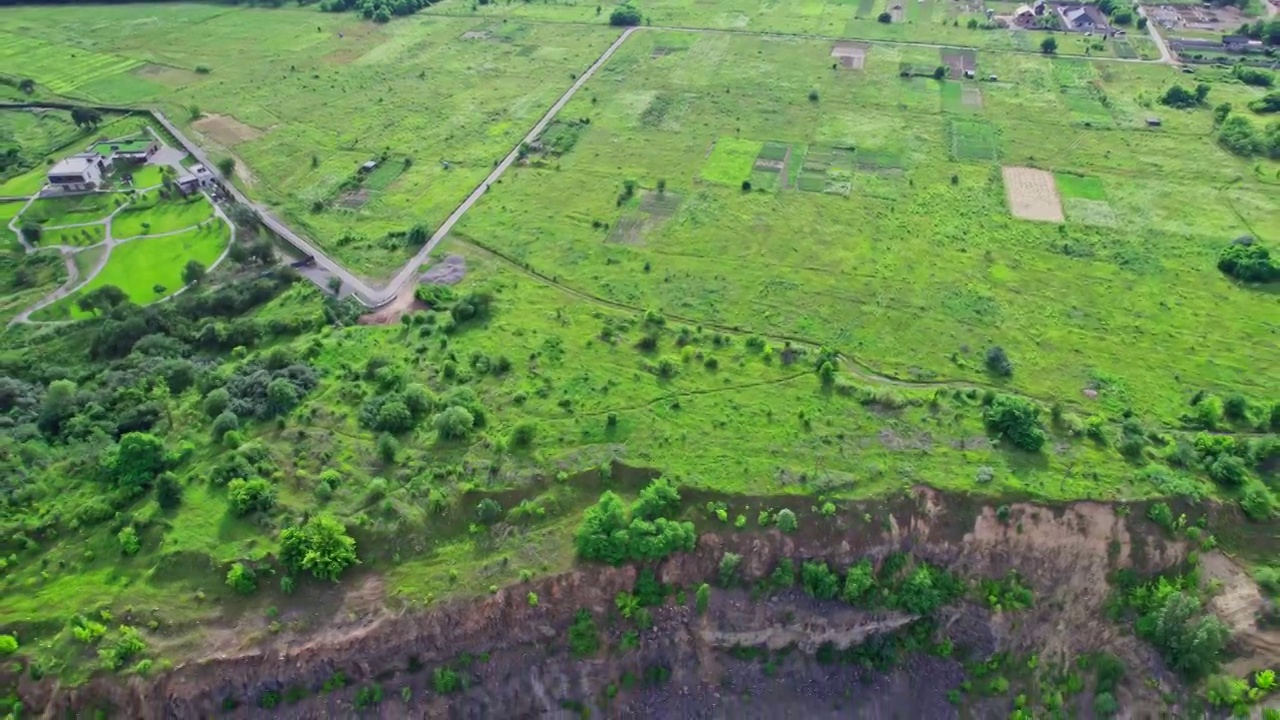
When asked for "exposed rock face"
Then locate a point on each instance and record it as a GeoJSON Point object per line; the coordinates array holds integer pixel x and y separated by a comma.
{"type": "Point", "coordinates": [1064, 553]}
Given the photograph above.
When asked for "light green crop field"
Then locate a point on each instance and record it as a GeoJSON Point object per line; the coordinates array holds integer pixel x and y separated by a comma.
{"type": "Point", "coordinates": [152, 214]}
{"type": "Point", "coordinates": [301, 99]}
{"type": "Point", "coordinates": [140, 266]}
{"type": "Point", "coordinates": [905, 255]}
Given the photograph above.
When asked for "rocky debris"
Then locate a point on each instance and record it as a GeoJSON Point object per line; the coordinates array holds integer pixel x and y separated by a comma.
{"type": "Point", "coordinates": [449, 271]}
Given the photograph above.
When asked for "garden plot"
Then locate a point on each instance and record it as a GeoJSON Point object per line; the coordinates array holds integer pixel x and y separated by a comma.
{"type": "Point", "coordinates": [653, 211]}
{"type": "Point", "coordinates": [960, 97]}
{"type": "Point", "coordinates": [226, 130]}
{"type": "Point", "coordinates": [770, 169]}
{"type": "Point", "coordinates": [1084, 200]}
{"type": "Point", "coordinates": [1032, 194]}
{"type": "Point", "coordinates": [960, 61]}
{"type": "Point", "coordinates": [827, 169]}
{"type": "Point", "coordinates": [731, 161]}
{"type": "Point", "coordinates": [973, 140]}
{"type": "Point", "coordinates": [850, 56]}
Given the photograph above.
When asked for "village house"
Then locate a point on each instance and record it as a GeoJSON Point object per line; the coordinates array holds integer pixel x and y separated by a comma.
{"type": "Point", "coordinates": [78, 173]}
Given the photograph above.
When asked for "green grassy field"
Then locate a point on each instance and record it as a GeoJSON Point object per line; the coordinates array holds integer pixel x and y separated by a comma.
{"type": "Point", "coordinates": [73, 209]}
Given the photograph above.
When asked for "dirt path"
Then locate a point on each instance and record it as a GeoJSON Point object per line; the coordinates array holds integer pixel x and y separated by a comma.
{"type": "Point", "coordinates": [1166, 56]}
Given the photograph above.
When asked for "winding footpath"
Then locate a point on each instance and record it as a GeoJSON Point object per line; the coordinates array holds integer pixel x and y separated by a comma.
{"type": "Point", "coordinates": [74, 282]}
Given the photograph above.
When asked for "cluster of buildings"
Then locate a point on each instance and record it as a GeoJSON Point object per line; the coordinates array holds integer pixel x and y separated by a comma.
{"type": "Point", "coordinates": [85, 171]}
{"type": "Point", "coordinates": [1078, 18]}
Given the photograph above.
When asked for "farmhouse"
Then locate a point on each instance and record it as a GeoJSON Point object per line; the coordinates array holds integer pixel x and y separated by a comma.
{"type": "Point", "coordinates": [1083, 18]}
{"type": "Point", "coordinates": [78, 172]}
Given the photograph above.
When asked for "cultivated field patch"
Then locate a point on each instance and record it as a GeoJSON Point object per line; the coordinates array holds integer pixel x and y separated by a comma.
{"type": "Point", "coordinates": [226, 130]}
{"type": "Point", "coordinates": [61, 68]}
{"type": "Point", "coordinates": [850, 56]}
{"type": "Point", "coordinates": [653, 210]}
{"type": "Point", "coordinates": [731, 160]}
{"type": "Point", "coordinates": [959, 61]}
{"type": "Point", "coordinates": [1085, 187]}
{"type": "Point", "coordinates": [960, 97]}
{"type": "Point", "coordinates": [1090, 212]}
{"type": "Point", "coordinates": [770, 171]}
{"type": "Point", "coordinates": [827, 169]}
{"type": "Point", "coordinates": [1031, 194]}
{"type": "Point", "coordinates": [973, 140]}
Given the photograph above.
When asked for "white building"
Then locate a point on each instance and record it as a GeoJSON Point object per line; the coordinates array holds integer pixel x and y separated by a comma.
{"type": "Point", "coordinates": [77, 173]}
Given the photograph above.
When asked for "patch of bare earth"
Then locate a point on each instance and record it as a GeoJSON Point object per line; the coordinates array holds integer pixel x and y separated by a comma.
{"type": "Point", "coordinates": [1032, 194]}
{"type": "Point", "coordinates": [226, 130]}
{"type": "Point", "coordinates": [851, 56]}
{"type": "Point", "coordinates": [354, 199]}
{"type": "Point", "coordinates": [1239, 603]}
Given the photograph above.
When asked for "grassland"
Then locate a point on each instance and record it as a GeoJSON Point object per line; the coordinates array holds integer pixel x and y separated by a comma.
{"type": "Point", "coordinates": [760, 261]}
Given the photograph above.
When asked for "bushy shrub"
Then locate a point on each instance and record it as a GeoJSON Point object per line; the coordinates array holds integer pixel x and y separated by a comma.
{"type": "Point", "coordinates": [819, 581]}
{"type": "Point", "coordinates": [453, 423]}
{"type": "Point", "coordinates": [1249, 262]}
{"type": "Point", "coordinates": [251, 495]}
{"type": "Point", "coordinates": [1017, 420]}
{"type": "Point", "coordinates": [625, 16]}
{"type": "Point", "coordinates": [787, 522]}
{"type": "Point", "coordinates": [859, 582]}
{"type": "Point", "coordinates": [611, 534]}
{"type": "Point", "coordinates": [584, 636]}
{"type": "Point", "coordinates": [242, 579]}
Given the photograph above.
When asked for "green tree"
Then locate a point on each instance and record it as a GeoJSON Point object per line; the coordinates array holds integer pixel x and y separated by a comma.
{"type": "Point", "coordinates": [625, 15]}
{"type": "Point", "coordinates": [321, 547]}
{"type": "Point", "coordinates": [282, 396]}
{"type": "Point", "coordinates": [223, 424]}
{"type": "Point", "coordinates": [702, 598]}
{"type": "Point", "coordinates": [1249, 262]}
{"type": "Point", "coordinates": [1049, 45]}
{"type": "Point", "coordinates": [8, 645]}
{"type": "Point", "coordinates": [859, 581]}
{"type": "Point", "coordinates": [216, 402]}
{"type": "Point", "coordinates": [250, 496]}
{"type": "Point", "coordinates": [168, 491]}
{"type": "Point", "coordinates": [1190, 641]}
{"type": "Point", "coordinates": [818, 580]}
{"type": "Point", "coordinates": [454, 423]}
{"type": "Point", "coordinates": [129, 542]}
{"type": "Point", "coordinates": [193, 272]}
{"type": "Point", "coordinates": [226, 166]}
{"type": "Point", "coordinates": [134, 463]}
{"type": "Point", "coordinates": [584, 636]}
{"type": "Point", "coordinates": [488, 511]}
{"type": "Point", "coordinates": [658, 499]}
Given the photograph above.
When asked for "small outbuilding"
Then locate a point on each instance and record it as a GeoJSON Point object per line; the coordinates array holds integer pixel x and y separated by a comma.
{"type": "Point", "coordinates": [369, 166]}
{"type": "Point", "coordinates": [1153, 122]}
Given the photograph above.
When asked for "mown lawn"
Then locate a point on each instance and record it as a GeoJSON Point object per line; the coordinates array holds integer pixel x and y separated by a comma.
{"type": "Point", "coordinates": [140, 266]}
{"type": "Point", "coordinates": [152, 214]}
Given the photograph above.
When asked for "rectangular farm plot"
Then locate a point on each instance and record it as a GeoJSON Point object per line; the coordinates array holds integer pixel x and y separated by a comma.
{"type": "Point", "coordinates": [731, 161]}
{"type": "Point", "coordinates": [961, 97]}
{"type": "Point", "coordinates": [973, 140]}
{"type": "Point", "coordinates": [1032, 194]}
{"type": "Point", "coordinates": [654, 209]}
{"type": "Point", "coordinates": [850, 56]}
{"type": "Point", "coordinates": [827, 169]}
{"type": "Point", "coordinates": [1085, 187]}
